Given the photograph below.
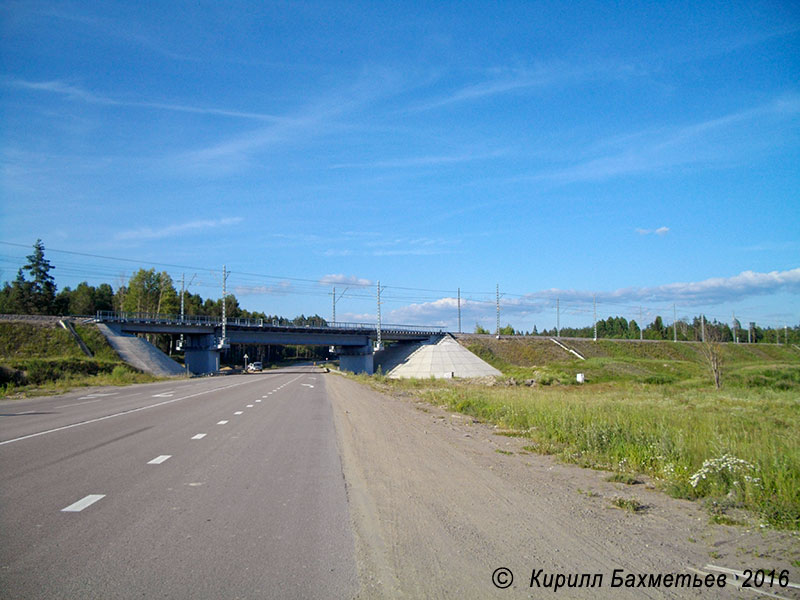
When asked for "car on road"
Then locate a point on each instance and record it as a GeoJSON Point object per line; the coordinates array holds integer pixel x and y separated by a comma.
{"type": "Point", "coordinates": [254, 367]}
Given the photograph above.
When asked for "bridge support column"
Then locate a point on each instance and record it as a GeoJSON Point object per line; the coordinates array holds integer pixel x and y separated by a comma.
{"type": "Point", "coordinates": [356, 359]}
{"type": "Point", "coordinates": [201, 355]}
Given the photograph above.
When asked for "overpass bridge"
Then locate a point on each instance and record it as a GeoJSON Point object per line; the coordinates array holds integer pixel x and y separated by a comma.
{"type": "Point", "coordinates": [203, 338]}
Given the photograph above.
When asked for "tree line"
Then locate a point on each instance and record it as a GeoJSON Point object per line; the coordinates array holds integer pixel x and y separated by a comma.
{"type": "Point", "coordinates": [683, 331]}
{"type": "Point", "coordinates": [34, 292]}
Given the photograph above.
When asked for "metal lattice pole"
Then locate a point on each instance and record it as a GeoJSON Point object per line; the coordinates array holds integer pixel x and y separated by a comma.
{"type": "Point", "coordinates": [594, 307]}
{"type": "Point", "coordinates": [379, 314]}
{"type": "Point", "coordinates": [183, 293]}
{"type": "Point", "coordinates": [224, 295]}
{"type": "Point", "coordinates": [497, 333]}
{"type": "Point", "coordinates": [674, 324]}
{"type": "Point", "coordinates": [558, 317]}
{"type": "Point", "coordinates": [459, 310]}
{"type": "Point", "coordinates": [641, 319]}
{"type": "Point", "coordinates": [334, 307]}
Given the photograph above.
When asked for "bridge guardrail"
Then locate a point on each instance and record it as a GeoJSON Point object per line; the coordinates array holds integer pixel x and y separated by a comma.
{"type": "Point", "coordinates": [210, 321]}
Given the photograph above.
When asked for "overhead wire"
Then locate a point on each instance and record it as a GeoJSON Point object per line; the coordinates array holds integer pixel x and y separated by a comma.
{"type": "Point", "coordinates": [248, 282]}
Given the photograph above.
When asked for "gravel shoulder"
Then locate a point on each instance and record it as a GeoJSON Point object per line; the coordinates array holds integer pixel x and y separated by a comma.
{"type": "Point", "coordinates": [439, 501]}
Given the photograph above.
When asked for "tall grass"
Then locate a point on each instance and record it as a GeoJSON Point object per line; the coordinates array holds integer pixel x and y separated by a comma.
{"type": "Point", "coordinates": [740, 445]}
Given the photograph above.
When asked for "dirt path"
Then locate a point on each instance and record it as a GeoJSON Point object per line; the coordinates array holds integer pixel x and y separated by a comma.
{"type": "Point", "coordinates": [437, 508]}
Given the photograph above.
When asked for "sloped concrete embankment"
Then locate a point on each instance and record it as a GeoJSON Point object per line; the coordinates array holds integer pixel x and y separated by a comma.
{"type": "Point", "coordinates": [141, 354]}
{"type": "Point", "coordinates": [440, 358]}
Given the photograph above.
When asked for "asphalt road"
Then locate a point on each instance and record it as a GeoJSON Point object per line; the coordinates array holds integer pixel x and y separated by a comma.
{"type": "Point", "coordinates": [226, 487]}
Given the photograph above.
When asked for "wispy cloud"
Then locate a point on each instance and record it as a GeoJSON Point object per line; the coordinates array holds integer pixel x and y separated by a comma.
{"type": "Point", "coordinates": [281, 288]}
{"type": "Point", "coordinates": [127, 32]}
{"type": "Point", "coordinates": [74, 92]}
{"type": "Point", "coordinates": [318, 119]}
{"type": "Point", "coordinates": [344, 280]}
{"type": "Point", "coordinates": [703, 143]}
{"type": "Point", "coordinates": [706, 293]}
{"type": "Point", "coordinates": [716, 290]}
{"type": "Point", "coordinates": [503, 81]}
{"type": "Point", "coordinates": [661, 231]}
{"type": "Point", "coordinates": [420, 161]}
{"type": "Point", "coordinates": [147, 233]}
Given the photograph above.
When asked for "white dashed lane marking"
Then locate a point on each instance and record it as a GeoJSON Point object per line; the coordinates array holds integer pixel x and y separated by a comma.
{"type": "Point", "coordinates": [160, 459]}
{"type": "Point", "coordinates": [238, 412]}
{"type": "Point", "coordinates": [83, 503]}
{"type": "Point", "coordinates": [222, 423]}
{"type": "Point", "coordinates": [199, 436]}
{"type": "Point", "coordinates": [249, 406]}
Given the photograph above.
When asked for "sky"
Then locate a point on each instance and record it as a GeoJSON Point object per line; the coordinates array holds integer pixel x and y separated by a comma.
{"type": "Point", "coordinates": [643, 154]}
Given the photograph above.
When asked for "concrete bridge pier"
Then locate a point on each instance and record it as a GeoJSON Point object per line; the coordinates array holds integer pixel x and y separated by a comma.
{"type": "Point", "coordinates": [356, 359]}
{"type": "Point", "coordinates": [201, 354]}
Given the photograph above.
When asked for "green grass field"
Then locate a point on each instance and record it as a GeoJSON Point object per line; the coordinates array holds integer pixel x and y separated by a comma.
{"type": "Point", "coordinates": [649, 409]}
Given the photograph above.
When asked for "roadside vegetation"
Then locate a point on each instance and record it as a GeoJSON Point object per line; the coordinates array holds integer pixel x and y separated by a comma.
{"type": "Point", "coordinates": [649, 409]}
{"type": "Point", "coordinates": [39, 359]}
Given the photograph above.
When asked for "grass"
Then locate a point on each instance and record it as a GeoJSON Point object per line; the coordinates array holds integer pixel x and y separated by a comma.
{"type": "Point", "coordinates": [666, 433]}
{"type": "Point", "coordinates": [649, 409]}
{"type": "Point", "coordinates": [632, 505]}
{"type": "Point", "coordinates": [40, 359]}
{"type": "Point", "coordinates": [625, 478]}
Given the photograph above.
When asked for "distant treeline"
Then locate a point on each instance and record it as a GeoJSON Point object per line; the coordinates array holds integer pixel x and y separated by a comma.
{"type": "Point", "coordinates": [621, 329]}
{"type": "Point", "coordinates": [34, 292]}
{"type": "Point", "coordinates": [147, 291]}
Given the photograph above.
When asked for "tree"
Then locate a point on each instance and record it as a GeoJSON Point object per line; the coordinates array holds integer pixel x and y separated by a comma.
{"type": "Point", "coordinates": [104, 298]}
{"type": "Point", "coordinates": [82, 300]}
{"type": "Point", "coordinates": [711, 350]}
{"type": "Point", "coordinates": [480, 330]}
{"type": "Point", "coordinates": [18, 297]}
{"type": "Point", "coordinates": [31, 297]}
{"type": "Point", "coordinates": [150, 292]}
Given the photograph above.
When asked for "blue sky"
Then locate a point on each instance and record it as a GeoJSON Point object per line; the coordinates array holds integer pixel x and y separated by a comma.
{"type": "Point", "coordinates": [644, 152]}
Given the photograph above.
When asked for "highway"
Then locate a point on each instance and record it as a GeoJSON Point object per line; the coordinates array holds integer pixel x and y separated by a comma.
{"type": "Point", "coordinates": [225, 487]}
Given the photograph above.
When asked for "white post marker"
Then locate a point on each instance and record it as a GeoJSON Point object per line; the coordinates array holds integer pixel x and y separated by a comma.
{"type": "Point", "coordinates": [83, 503]}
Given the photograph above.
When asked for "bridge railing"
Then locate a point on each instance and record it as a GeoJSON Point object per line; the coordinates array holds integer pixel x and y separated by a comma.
{"type": "Point", "coordinates": [212, 321]}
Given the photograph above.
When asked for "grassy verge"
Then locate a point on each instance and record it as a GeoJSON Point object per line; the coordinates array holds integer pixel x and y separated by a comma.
{"type": "Point", "coordinates": [39, 376]}
{"type": "Point", "coordinates": [45, 359]}
{"type": "Point", "coordinates": [737, 448]}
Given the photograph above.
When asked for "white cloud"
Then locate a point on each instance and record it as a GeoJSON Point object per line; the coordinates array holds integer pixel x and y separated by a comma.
{"type": "Point", "coordinates": [703, 143]}
{"type": "Point", "coordinates": [280, 289]}
{"type": "Point", "coordinates": [146, 233]}
{"type": "Point", "coordinates": [74, 92]}
{"type": "Point", "coordinates": [707, 293]}
{"type": "Point", "coordinates": [344, 280]}
{"type": "Point", "coordinates": [661, 231]}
